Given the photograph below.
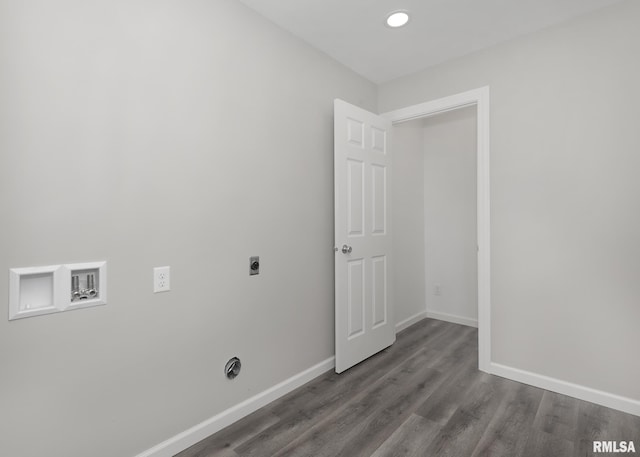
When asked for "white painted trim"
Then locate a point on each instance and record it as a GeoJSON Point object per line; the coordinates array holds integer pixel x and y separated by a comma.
{"type": "Point", "coordinates": [452, 318]}
{"type": "Point", "coordinates": [197, 433]}
{"type": "Point", "coordinates": [400, 326]}
{"type": "Point", "coordinates": [439, 106]}
{"type": "Point", "coordinates": [599, 397]}
{"type": "Point", "coordinates": [479, 98]}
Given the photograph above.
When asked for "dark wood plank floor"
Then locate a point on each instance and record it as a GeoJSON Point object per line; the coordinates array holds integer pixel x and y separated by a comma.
{"type": "Point", "coordinates": [423, 396]}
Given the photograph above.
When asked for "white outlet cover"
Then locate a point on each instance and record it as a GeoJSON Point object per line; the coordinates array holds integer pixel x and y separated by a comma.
{"type": "Point", "coordinates": [161, 279]}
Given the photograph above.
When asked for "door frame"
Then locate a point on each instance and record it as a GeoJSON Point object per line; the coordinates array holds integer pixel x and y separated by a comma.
{"type": "Point", "coordinates": [480, 99]}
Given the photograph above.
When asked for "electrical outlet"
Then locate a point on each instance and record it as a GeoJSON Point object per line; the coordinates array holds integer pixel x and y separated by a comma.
{"type": "Point", "coordinates": [161, 279]}
{"type": "Point", "coordinates": [437, 290]}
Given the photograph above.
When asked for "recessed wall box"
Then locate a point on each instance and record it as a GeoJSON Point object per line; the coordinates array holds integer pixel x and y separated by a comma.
{"type": "Point", "coordinates": [32, 291]}
{"type": "Point", "coordinates": [87, 285]}
{"type": "Point", "coordinates": [35, 291]}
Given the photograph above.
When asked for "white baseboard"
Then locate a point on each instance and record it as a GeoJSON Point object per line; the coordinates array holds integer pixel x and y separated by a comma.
{"type": "Point", "coordinates": [452, 318]}
{"type": "Point", "coordinates": [628, 405]}
{"type": "Point", "coordinates": [400, 326]}
{"type": "Point", "coordinates": [216, 423]}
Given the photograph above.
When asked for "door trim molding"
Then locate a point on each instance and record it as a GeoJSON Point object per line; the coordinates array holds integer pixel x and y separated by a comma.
{"type": "Point", "coordinates": [480, 99]}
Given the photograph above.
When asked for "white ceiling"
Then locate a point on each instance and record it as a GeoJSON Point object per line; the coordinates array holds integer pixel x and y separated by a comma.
{"type": "Point", "coordinates": [353, 31]}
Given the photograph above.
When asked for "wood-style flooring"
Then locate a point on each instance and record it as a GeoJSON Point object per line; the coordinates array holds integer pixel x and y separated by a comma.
{"type": "Point", "coordinates": [423, 396]}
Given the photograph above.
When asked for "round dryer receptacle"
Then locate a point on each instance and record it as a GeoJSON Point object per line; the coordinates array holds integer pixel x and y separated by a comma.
{"type": "Point", "coordinates": [232, 368]}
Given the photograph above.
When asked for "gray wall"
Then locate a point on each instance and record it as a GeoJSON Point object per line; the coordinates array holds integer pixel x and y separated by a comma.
{"type": "Point", "coordinates": [450, 203]}
{"type": "Point", "coordinates": [565, 194]}
{"type": "Point", "coordinates": [147, 133]}
{"type": "Point", "coordinates": [434, 217]}
{"type": "Point", "coordinates": [408, 219]}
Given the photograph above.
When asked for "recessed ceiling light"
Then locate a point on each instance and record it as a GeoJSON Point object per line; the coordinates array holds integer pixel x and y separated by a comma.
{"type": "Point", "coordinates": [397, 18]}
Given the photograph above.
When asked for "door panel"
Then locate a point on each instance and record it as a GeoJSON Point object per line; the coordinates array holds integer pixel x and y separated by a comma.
{"type": "Point", "coordinates": [355, 132]}
{"type": "Point", "coordinates": [379, 204]}
{"type": "Point", "coordinates": [355, 197]}
{"type": "Point", "coordinates": [379, 139]}
{"type": "Point", "coordinates": [356, 297]}
{"type": "Point", "coordinates": [379, 286]}
{"type": "Point", "coordinates": [362, 161]}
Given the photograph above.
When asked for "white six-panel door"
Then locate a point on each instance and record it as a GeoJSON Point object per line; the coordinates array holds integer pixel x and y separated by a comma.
{"type": "Point", "coordinates": [362, 169]}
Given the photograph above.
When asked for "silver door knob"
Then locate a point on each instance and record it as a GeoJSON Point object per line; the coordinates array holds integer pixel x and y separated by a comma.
{"type": "Point", "coordinates": [346, 249]}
